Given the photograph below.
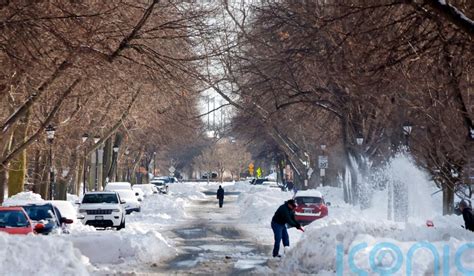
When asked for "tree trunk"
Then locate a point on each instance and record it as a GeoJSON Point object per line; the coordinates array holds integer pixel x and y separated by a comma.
{"type": "Point", "coordinates": [3, 180]}
{"type": "Point", "coordinates": [448, 200]}
{"type": "Point", "coordinates": [37, 172]}
{"type": "Point", "coordinates": [44, 181]}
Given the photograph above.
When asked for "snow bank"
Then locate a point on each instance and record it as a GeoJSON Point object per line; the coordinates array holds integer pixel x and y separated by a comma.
{"type": "Point", "coordinates": [352, 240]}
{"type": "Point", "coordinates": [324, 239]}
{"type": "Point", "coordinates": [131, 246]}
{"type": "Point", "coordinates": [22, 198]}
{"type": "Point", "coordinates": [158, 210]}
{"type": "Point", "coordinates": [187, 190]}
{"type": "Point", "coordinates": [40, 255]}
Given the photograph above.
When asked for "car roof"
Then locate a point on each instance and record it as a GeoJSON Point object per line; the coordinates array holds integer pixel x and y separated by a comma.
{"type": "Point", "coordinates": [309, 193]}
{"type": "Point", "coordinates": [11, 208]}
{"type": "Point", "coordinates": [101, 192]}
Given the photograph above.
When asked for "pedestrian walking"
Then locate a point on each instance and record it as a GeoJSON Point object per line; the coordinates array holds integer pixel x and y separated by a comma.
{"type": "Point", "coordinates": [220, 196]}
{"type": "Point", "coordinates": [283, 216]}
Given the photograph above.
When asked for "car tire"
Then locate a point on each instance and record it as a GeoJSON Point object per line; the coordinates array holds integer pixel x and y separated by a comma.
{"type": "Point", "coordinates": [121, 226]}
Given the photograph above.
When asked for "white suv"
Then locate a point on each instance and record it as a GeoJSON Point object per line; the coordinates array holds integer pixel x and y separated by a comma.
{"type": "Point", "coordinates": [102, 209]}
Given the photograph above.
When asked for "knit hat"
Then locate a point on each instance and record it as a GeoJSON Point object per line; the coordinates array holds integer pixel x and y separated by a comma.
{"type": "Point", "coordinates": [291, 202]}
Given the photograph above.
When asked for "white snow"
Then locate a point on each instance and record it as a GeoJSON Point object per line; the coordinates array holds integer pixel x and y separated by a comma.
{"type": "Point", "coordinates": [40, 255]}
{"type": "Point", "coordinates": [328, 246]}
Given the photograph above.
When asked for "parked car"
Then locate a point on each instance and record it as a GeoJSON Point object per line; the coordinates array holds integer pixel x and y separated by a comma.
{"type": "Point", "coordinates": [66, 208]}
{"type": "Point", "coordinates": [113, 186]}
{"type": "Point", "coordinates": [102, 209]}
{"type": "Point", "coordinates": [139, 193]}
{"type": "Point", "coordinates": [258, 181]}
{"type": "Point", "coordinates": [161, 185]}
{"type": "Point", "coordinates": [166, 179]}
{"type": "Point", "coordinates": [205, 175]}
{"type": "Point", "coordinates": [310, 206]}
{"type": "Point", "coordinates": [48, 215]}
{"type": "Point", "coordinates": [148, 189]}
{"type": "Point", "coordinates": [14, 220]}
{"type": "Point", "coordinates": [131, 202]}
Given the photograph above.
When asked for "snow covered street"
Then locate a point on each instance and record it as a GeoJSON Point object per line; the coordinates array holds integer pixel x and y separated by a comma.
{"type": "Point", "coordinates": [185, 232]}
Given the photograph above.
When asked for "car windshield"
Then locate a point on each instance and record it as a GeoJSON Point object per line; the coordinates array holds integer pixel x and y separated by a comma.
{"type": "Point", "coordinates": [126, 194]}
{"type": "Point", "coordinates": [39, 212]}
{"type": "Point", "coordinates": [99, 198]}
{"type": "Point", "coordinates": [308, 200]}
{"type": "Point", "coordinates": [165, 179]}
{"type": "Point", "coordinates": [158, 182]}
{"type": "Point", "coordinates": [13, 218]}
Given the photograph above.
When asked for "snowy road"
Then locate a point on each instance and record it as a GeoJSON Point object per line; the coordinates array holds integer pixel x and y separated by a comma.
{"type": "Point", "coordinates": [213, 242]}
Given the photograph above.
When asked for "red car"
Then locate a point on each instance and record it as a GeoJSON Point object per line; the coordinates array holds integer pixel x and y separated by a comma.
{"type": "Point", "coordinates": [310, 206]}
{"type": "Point", "coordinates": [14, 220]}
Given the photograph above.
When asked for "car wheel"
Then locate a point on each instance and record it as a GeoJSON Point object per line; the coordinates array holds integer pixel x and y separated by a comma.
{"type": "Point", "coordinates": [121, 226]}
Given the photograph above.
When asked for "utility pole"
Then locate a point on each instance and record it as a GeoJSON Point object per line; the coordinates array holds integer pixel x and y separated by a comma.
{"type": "Point", "coordinates": [214, 113]}
{"type": "Point", "coordinates": [208, 110]}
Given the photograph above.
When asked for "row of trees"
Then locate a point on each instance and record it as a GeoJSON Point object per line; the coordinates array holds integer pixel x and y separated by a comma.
{"type": "Point", "coordinates": [311, 73]}
{"type": "Point", "coordinates": [122, 71]}
{"type": "Point", "coordinates": [224, 155]}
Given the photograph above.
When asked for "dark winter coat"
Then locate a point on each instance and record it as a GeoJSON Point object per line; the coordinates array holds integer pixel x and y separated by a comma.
{"type": "Point", "coordinates": [284, 215]}
{"type": "Point", "coordinates": [220, 193]}
{"type": "Point", "coordinates": [468, 217]}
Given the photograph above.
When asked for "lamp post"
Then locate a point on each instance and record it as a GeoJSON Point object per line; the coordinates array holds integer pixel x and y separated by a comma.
{"type": "Point", "coordinates": [127, 177]}
{"type": "Point", "coordinates": [96, 140]}
{"type": "Point", "coordinates": [322, 164]}
{"type": "Point", "coordinates": [407, 128]}
{"type": "Point", "coordinates": [154, 163]}
{"type": "Point", "coordinates": [116, 149]}
{"type": "Point", "coordinates": [360, 140]}
{"type": "Point", "coordinates": [84, 137]}
{"type": "Point", "coordinates": [50, 130]}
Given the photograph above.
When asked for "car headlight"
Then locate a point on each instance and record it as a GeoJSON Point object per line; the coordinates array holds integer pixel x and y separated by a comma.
{"type": "Point", "coordinates": [82, 210]}
{"type": "Point", "coordinates": [116, 210]}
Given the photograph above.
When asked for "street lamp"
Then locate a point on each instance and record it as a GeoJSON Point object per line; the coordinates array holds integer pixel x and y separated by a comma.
{"type": "Point", "coordinates": [50, 131]}
{"type": "Point", "coordinates": [154, 163]}
{"type": "Point", "coordinates": [360, 140]}
{"type": "Point", "coordinates": [96, 140]}
{"type": "Point", "coordinates": [84, 138]}
{"type": "Point", "coordinates": [116, 149]}
{"type": "Point", "coordinates": [407, 128]}
{"type": "Point", "coordinates": [127, 152]}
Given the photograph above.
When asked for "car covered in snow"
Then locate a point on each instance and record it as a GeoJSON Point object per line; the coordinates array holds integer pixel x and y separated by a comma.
{"type": "Point", "coordinates": [139, 193]}
{"type": "Point", "coordinates": [148, 189]}
{"type": "Point", "coordinates": [161, 185]}
{"type": "Point", "coordinates": [102, 209]}
{"type": "Point", "coordinates": [48, 215]}
{"type": "Point", "coordinates": [131, 201]}
{"type": "Point", "coordinates": [310, 206]}
{"type": "Point", "coordinates": [113, 186]}
{"type": "Point", "coordinates": [14, 220]}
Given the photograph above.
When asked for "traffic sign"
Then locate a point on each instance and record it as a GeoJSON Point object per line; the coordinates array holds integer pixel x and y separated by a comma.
{"type": "Point", "coordinates": [251, 168]}
{"type": "Point", "coordinates": [172, 169]}
{"type": "Point", "coordinates": [323, 162]}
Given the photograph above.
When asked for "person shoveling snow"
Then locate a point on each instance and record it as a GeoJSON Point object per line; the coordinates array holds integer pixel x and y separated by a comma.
{"type": "Point", "coordinates": [283, 215]}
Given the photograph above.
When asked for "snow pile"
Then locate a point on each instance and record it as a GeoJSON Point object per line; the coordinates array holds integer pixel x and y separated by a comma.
{"type": "Point", "coordinates": [259, 203]}
{"type": "Point", "coordinates": [352, 240]}
{"type": "Point", "coordinates": [123, 246]}
{"type": "Point", "coordinates": [187, 190]}
{"type": "Point", "coordinates": [158, 210]}
{"type": "Point", "coordinates": [22, 198]}
{"type": "Point", "coordinates": [356, 240]}
{"type": "Point", "coordinates": [40, 255]}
